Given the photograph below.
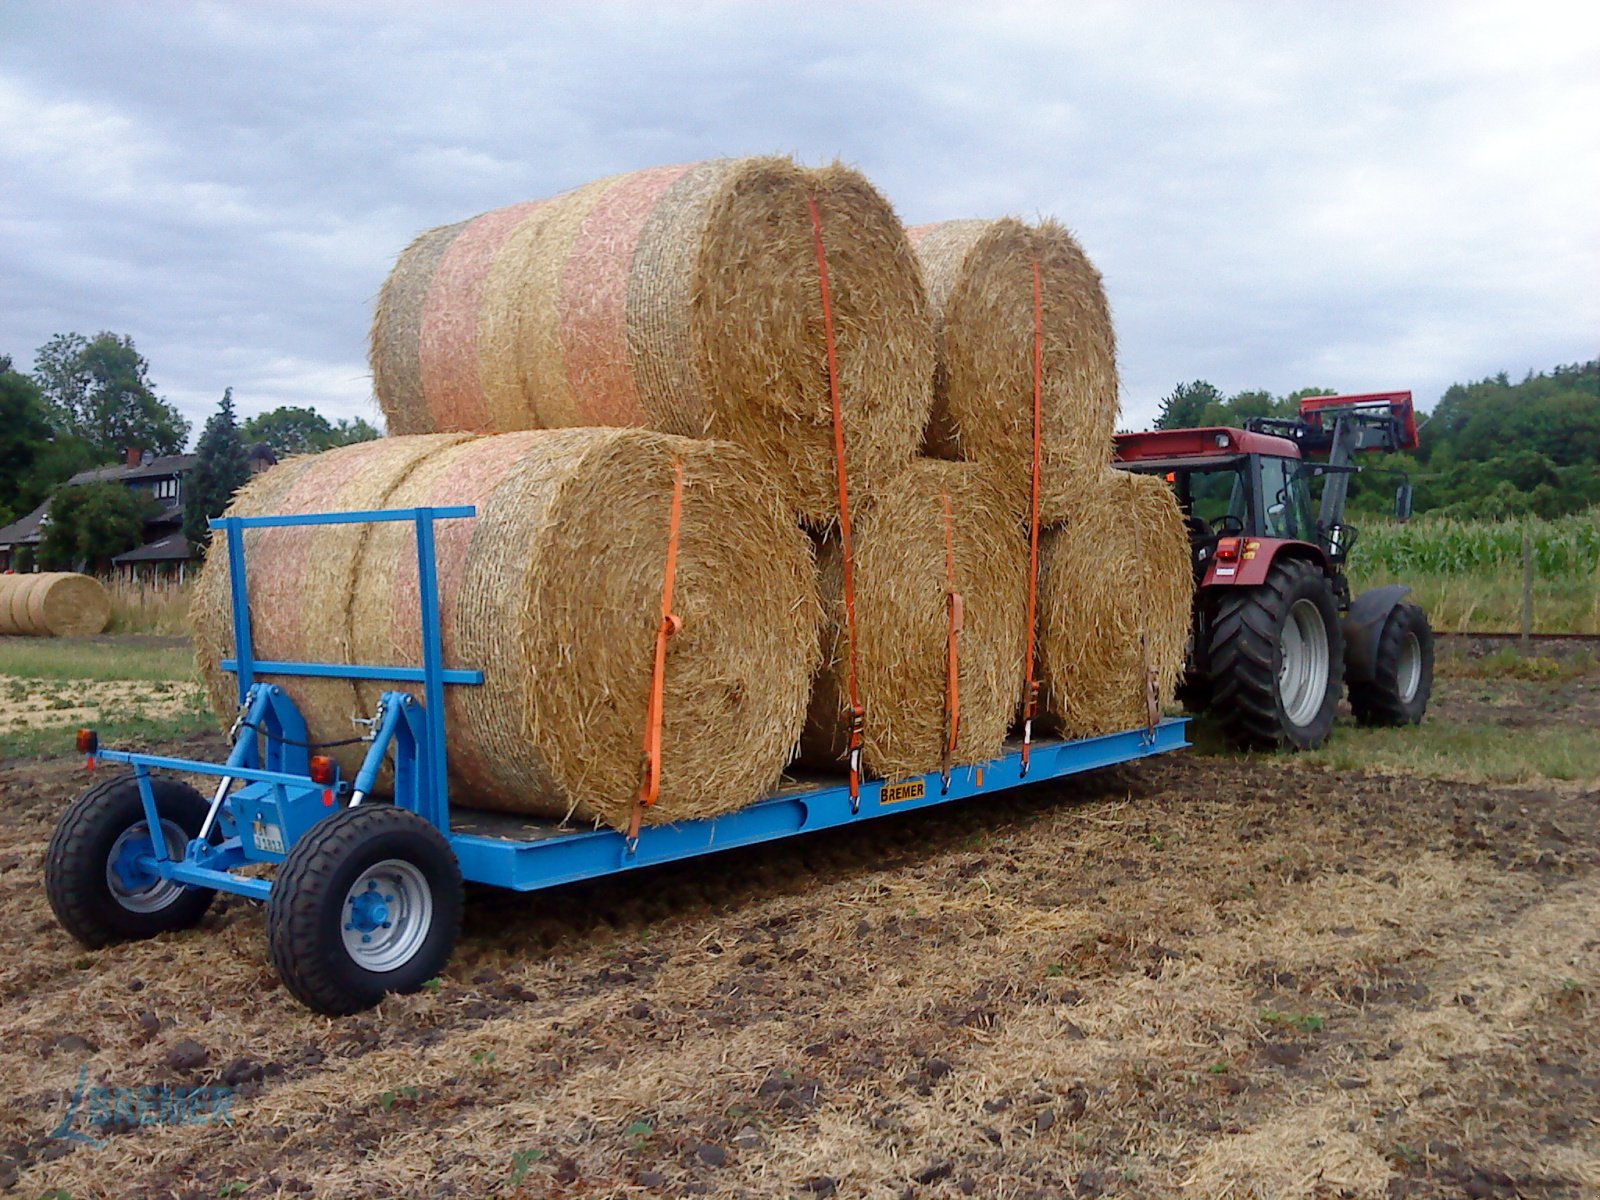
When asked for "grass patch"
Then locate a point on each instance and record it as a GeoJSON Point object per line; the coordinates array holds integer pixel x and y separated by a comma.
{"type": "Point", "coordinates": [161, 608]}
{"type": "Point", "coordinates": [132, 658]}
{"type": "Point", "coordinates": [1469, 751]}
{"type": "Point", "coordinates": [124, 733]}
{"type": "Point", "coordinates": [1487, 601]}
{"type": "Point", "coordinates": [1510, 663]}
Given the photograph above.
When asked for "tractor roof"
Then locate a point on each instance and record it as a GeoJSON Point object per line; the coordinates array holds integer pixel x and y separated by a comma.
{"type": "Point", "coordinates": [1214, 441]}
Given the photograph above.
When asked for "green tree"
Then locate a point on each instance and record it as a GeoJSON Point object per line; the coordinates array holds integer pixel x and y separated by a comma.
{"type": "Point", "coordinates": [91, 523]}
{"type": "Point", "coordinates": [1185, 407]}
{"type": "Point", "coordinates": [100, 390]}
{"type": "Point", "coordinates": [350, 430]}
{"type": "Point", "coordinates": [290, 430]}
{"type": "Point", "coordinates": [219, 471]}
{"type": "Point", "coordinates": [33, 456]}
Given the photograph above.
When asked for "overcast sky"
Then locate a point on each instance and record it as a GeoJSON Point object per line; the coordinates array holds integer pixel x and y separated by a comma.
{"type": "Point", "coordinates": [1349, 195]}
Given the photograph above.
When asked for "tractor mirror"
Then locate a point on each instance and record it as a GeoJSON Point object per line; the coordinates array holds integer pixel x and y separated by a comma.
{"type": "Point", "coordinates": [1402, 502]}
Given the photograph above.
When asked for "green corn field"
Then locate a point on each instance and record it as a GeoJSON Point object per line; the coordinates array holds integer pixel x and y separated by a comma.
{"type": "Point", "coordinates": [1468, 574]}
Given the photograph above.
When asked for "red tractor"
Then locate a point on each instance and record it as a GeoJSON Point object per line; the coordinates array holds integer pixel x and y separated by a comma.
{"type": "Point", "coordinates": [1275, 628]}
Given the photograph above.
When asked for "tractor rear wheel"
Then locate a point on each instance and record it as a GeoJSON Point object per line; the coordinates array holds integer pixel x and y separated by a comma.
{"type": "Point", "coordinates": [368, 902]}
{"type": "Point", "coordinates": [1276, 659]}
{"type": "Point", "coordinates": [1402, 674]}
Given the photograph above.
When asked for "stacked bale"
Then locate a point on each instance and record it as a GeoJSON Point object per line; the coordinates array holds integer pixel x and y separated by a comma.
{"type": "Point", "coordinates": [903, 580]}
{"type": "Point", "coordinates": [554, 592]}
{"type": "Point", "coordinates": [1114, 589]}
{"type": "Point", "coordinates": [53, 604]}
{"type": "Point", "coordinates": [980, 278]}
{"type": "Point", "coordinates": [683, 299]}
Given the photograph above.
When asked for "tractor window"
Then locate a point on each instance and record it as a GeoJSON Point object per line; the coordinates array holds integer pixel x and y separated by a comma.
{"type": "Point", "coordinates": [1287, 501]}
{"type": "Point", "coordinates": [1217, 494]}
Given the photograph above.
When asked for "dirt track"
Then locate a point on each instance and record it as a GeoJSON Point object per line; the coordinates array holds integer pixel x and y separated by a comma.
{"type": "Point", "coordinates": [1198, 977]}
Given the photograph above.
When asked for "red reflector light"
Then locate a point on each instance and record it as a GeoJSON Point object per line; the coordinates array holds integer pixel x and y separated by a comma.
{"type": "Point", "coordinates": [1228, 550]}
{"type": "Point", "coordinates": [1172, 477]}
{"type": "Point", "coordinates": [322, 770]}
{"type": "Point", "coordinates": [88, 741]}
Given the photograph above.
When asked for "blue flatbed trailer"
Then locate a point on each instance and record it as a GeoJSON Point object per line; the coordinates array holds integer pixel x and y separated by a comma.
{"type": "Point", "coordinates": [367, 896]}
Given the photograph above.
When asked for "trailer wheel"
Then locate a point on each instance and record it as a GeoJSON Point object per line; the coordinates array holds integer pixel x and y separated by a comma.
{"type": "Point", "coordinates": [368, 902]}
{"type": "Point", "coordinates": [1402, 675]}
{"type": "Point", "coordinates": [1276, 659]}
{"type": "Point", "coordinates": [92, 876]}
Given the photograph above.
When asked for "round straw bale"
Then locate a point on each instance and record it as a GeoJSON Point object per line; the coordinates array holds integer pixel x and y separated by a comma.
{"type": "Point", "coordinates": [1115, 584]}
{"type": "Point", "coordinates": [554, 592]}
{"type": "Point", "coordinates": [301, 593]}
{"type": "Point", "coordinates": [902, 621]}
{"type": "Point", "coordinates": [683, 299]}
{"type": "Point", "coordinates": [980, 283]}
{"type": "Point", "coordinates": [53, 604]}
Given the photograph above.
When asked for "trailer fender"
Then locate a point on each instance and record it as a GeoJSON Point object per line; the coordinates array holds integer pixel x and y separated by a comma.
{"type": "Point", "coordinates": [1363, 626]}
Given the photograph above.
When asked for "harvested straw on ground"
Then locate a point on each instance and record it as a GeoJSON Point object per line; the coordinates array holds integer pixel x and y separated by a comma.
{"type": "Point", "coordinates": [980, 281]}
{"type": "Point", "coordinates": [53, 604]}
{"type": "Point", "coordinates": [1114, 592]}
{"type": "Point", "coordinates": [902, 589]}
{"type": "Point", "coordinates": [554, 592]}
{"type": "Point", "coordinates": [683, 299]}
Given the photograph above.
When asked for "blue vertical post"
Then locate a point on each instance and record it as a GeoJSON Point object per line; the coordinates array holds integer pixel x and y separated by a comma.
{"type": "Point", "coordinates": [435, 776]}
{"type": "Point", "coordinates": [239, 588]}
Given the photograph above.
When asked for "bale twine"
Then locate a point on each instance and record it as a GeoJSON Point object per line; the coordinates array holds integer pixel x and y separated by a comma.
{"type": "Point", "coordinates": [981, 285]}
{"type": "Point", "coordinates": [554, 592]}
{"type": "Point", "coordinates": [902, 585]}
{"type": "Point", "coordinates": [1115, 584]}
{"type": "Point", "coordinates": [683, 299]}
{"type": "Point", "coordinates": [53, 604]}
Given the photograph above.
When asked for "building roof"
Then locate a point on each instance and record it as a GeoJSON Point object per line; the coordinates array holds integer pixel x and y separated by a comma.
{"type": "Point", "coordinates": [172, 548]}
{"type": "Point", "coordinates": [166, 464]}
{"type": "Point", "coordinates": [25, 530]}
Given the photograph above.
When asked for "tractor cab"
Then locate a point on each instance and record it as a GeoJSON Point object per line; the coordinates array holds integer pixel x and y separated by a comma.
{"type": "Point", "coordinates": [1232, 485]}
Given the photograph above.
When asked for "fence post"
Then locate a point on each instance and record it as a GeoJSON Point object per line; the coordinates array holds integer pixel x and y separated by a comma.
{"type": "Point", "coordinates": [1527, 590]}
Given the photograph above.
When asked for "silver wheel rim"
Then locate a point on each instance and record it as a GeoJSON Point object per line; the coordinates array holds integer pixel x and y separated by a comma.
{"type": "Point", "coordinates": [386, 915]}
{"type": "Point", "coordinates": [147, 897]}
{"type": "Point", "coordinates": [1408, 674]}
{"type": "Point", "coordinates": [1303, 666]}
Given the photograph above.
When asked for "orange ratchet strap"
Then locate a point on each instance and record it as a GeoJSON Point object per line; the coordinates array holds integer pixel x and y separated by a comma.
{"type": "Point", "coordinates": [846, 542]}
{"type": "Point", "coordinates": [671, 623]}
{"type": "Point", "coordinates": [952, 685]}
{"type": "Point", "coordinates": [1031, 701]}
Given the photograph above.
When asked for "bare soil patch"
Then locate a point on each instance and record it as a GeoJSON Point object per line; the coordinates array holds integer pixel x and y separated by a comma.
{"type": "Point", "coordinates": [1196, 977]}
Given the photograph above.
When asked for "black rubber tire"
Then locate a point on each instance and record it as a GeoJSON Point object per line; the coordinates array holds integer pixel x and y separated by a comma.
{"type": "Point", "coordinates": [80, 850]}
{"type": "Point", "coordinates": [305, 909]}
{"type": "Point", "coordinates": [1246, 651]}
{"type": "Point", "coordinates": [1378, 701]}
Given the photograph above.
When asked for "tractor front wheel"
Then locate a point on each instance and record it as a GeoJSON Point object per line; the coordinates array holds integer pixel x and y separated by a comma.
{"type": "Point", "coordinates": [1402, 674]}
{"type": "Point", "coordinates": [1276, 659]}
{"type": "Point", "coordinates": [368, 902]}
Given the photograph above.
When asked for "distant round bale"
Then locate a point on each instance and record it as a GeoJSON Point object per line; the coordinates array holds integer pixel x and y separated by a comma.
{"type": "Point", "coordinates": [1115, 584]}
{"type": "Point", "coordinates": [53, 604]}
{"type": "Point", "coordinates": [554, 592]}
{"type": "Point", "coordinates": [902, 588]}
{"type": "Point", "coordinates": [683, 299]}
{"type": "Point", "coordinates": [980, 281]}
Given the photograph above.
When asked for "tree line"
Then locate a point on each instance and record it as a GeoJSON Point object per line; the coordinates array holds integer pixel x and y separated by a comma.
{"type": "Point", "coordinates": [85, 404]}
{"type": "Point", "coordinates": [1490, 449]}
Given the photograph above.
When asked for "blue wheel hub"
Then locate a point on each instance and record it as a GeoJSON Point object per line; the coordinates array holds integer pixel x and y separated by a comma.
{"type": "Point", "coordinates": [135, 875]}
{"type": "Point", "coordinates": [369, 911]}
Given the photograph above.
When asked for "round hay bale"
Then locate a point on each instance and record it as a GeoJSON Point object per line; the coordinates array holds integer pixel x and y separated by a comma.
{"type": "Point", "coordinates": [301, 594]}
{"type": "Point", "coordinates": [683, 299]}
{"type": "Point", "coordinates": [1115, 584]}
{"type": "Point", "coordinates": [54, 604]}
{"type": "Point", "coordinates": [554, 592]}
{"type": "Point", "coordinates": [980, 283]}
{"type": "Point", "coordinates": [902, 621]}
